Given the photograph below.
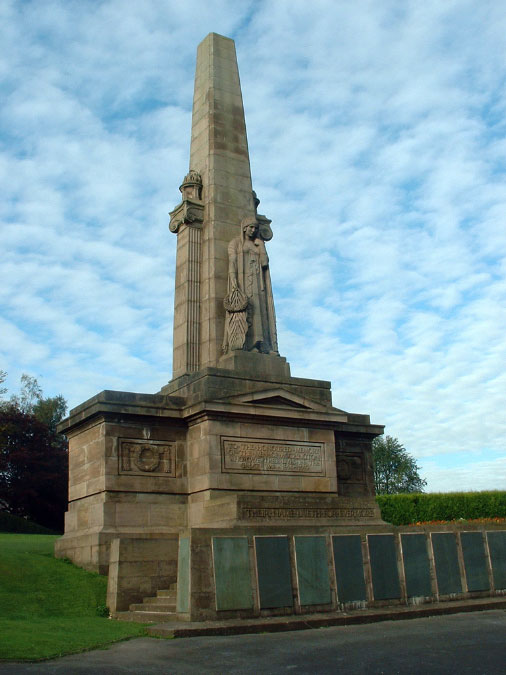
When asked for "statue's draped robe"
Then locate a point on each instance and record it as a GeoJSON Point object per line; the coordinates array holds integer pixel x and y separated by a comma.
{"type": "Point", "coordinates": [249, 268]}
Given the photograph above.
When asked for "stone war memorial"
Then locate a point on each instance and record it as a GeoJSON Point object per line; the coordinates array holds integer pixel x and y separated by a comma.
{"type": "Point", "coordinates": [238, 490]}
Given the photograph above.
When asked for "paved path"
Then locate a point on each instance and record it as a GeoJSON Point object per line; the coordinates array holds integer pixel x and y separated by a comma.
{"type": "Point", "coordinates": [460, 643]}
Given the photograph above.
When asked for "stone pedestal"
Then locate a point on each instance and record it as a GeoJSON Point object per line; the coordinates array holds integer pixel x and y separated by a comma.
{"type": "Point", "coordinates": [218, 448]}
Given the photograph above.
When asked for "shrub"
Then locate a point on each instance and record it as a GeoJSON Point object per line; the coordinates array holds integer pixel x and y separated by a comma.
{"type": "Point", "coordinates": [405, 509]}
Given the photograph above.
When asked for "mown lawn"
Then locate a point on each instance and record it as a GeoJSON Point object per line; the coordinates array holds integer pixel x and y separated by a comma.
{"type": "Point", "coordinates": [49, 607]}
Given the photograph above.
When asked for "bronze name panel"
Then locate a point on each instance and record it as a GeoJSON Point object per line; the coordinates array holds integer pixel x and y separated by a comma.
{"type": "Point", "coordinates": [256, 455]}
{"type": "Point", "coordinates": [285, 513]}
{"type": "Point", "coordinates": [146, 458]}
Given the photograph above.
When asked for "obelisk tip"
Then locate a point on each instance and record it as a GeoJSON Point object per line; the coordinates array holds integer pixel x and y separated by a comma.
{"type": "Point", "coordinates": [216, 36]}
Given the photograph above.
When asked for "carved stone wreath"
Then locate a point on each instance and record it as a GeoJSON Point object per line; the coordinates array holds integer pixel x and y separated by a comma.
{"type": "Point", "coordinates": [140, 458]}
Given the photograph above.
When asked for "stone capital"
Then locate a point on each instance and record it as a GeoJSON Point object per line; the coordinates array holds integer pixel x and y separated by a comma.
{"type": "Point", "coordinates": [189, 212]}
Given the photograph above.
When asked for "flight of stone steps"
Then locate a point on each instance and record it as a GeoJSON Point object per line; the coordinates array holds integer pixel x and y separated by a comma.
{"type": "Point", "coordinates": [160, 608]}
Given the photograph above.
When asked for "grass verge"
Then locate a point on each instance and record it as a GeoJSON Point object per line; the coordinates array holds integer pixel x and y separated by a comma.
{"type": "Point", "coordinates": [48, 607]}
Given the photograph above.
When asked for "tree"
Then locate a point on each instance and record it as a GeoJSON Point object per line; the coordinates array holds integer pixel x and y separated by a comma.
{"type": "Point", "coordinates": [395, 470]}
{"type": "Point", "coordinates": [48, 410]}
{"type": "Point", "coordinates": [3, 375]}
{"type": "Point", "coordinates": [29, 396]}
{"type": "Point", "coordinates": [33, 456]}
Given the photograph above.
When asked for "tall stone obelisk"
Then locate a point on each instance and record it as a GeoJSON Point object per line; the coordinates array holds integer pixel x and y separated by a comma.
{"type": "Point", "coordinates": [214, 209]}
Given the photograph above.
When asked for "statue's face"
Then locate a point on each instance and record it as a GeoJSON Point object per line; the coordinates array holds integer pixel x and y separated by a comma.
{"type": "Point", "coordinates": [251, 230]}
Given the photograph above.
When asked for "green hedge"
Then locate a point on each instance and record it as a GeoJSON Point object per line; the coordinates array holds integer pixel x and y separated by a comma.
{"type": "Point", "coordinates": [413, 508]}
{"type": "Point", "coordinates": [9, 523]}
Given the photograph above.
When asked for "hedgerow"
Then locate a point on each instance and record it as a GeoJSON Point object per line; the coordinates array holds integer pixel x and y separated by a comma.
{"type": "Point", "coordinates": [405, 509]}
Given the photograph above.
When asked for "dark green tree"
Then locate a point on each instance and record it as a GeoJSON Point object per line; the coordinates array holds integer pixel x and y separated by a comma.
{"type": "Point", "coordinates": [33, 456]}
{"type": "Point", "coordinates": [395, 470]}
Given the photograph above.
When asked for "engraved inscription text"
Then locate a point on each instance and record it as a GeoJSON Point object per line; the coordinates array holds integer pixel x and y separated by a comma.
{"type": "Point", "coordinates": [286, 513]}
{"type": "Point", "coordinates": [266, 457]}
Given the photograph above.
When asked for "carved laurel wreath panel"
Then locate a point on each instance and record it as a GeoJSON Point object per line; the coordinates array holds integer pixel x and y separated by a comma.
{"type": "Point", "coordinates": [147, 458]}
{"type": "Point", "coordinates": [351, 460]}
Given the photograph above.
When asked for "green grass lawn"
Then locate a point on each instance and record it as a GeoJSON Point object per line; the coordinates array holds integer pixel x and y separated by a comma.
{"type": "Point", "coordinates": [48, 607]}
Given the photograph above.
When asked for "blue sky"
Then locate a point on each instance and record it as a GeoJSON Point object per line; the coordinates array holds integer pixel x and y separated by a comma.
{"type": "Point", "coordinates": [377, 145]}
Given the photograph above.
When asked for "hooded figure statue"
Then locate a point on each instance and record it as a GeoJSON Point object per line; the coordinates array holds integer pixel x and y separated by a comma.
{"type": "Point", "coordinates": [250, 323]}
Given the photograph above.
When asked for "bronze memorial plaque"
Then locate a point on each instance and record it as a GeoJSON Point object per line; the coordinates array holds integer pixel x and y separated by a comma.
{"type": "Point", "coordinates": [258, 455]}
{"type": "Point", "coordinates": [146, 458]}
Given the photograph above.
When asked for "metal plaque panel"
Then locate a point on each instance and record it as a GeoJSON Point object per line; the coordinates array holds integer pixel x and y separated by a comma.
{"type": "Point", "coordinates": [312, 570]}
{"type": "Point", "coordinates": [385, 575]}
{"type": "Point", "coordinates": [183, 575]}
{"type": "Point", "coordinates": [349, 568]}
{"type": "Point", "coordinates": [497, 548]}
{"type": "Point", "coordinates": [274, 573]}
{"type": "Point", "coordinates": [416, 565]}
{"type": "Point", "coordinates": [446, 561]}
{"type": "Point", "coordinates": [232, 573]}
{"type": "Point", "coordinates": [475, 562]}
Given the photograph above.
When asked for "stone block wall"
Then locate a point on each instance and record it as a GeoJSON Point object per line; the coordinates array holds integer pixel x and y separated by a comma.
{"type": "Point", "coordinates": [298, 570]}
{"type": "Point", "coordinates": [306, 460]}
{"type": "Point", "coordinates": [138, 568]}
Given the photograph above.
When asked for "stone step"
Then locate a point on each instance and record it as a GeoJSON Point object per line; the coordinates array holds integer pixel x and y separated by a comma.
{"type": "Point", "coordinates": [145, 617]}
{"type": "Point", "coordinates": [153, 607]}
{"type": "Point", "coordinates": [169, 593]}
{"type": "Point", "coordinates": [163, 600]}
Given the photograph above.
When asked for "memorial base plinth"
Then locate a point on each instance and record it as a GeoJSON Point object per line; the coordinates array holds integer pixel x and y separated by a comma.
{"type": "Point", "coordinates": [93, 522]}
{"type": "Point", "coordinates": [280, 570]}
{"type": "Point", "coordinates": [222, 450]}
{"type": "Point", "coordinates": [222, 509]}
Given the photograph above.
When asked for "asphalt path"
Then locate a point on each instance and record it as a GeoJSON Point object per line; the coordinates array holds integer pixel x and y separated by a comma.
{"type": "Point", "coordinates": [459, 643]}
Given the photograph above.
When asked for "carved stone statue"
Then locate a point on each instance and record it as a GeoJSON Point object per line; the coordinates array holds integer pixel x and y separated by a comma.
{"type": "Point", "coordinates": [250, 322]}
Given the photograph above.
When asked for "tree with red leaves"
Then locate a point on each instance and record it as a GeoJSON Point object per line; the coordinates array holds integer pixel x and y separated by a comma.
{"type": "Point", "coordinates": [33, 457]}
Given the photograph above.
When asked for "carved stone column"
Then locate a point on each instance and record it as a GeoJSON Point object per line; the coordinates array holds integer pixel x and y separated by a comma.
{"type": "Point", "coordinates": [186, 221]}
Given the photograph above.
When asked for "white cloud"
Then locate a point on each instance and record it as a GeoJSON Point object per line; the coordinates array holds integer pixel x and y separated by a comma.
{"type": "Point", "coordinates": [376, 134]}
{"type": "Point", "coordinates": [469, 476]}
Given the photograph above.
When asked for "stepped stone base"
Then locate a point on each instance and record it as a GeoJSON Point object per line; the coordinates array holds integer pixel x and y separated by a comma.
{"type": "Point", "coordinates": [138, 569]}
{"type": "Point", "coordinates": [218, 448]}
{"type": "Point", "coordinates": [351, 617]}
{"type": "Point", "coordinates": [250, 573]}
{"type": "Point", "coordinates": [260, 509]}
{"type": "Point", "coordinates": [216, 455]}
{"type": "Point", "coordinates": [264, 365]}
{"type": "Point", "coordinates": [93, 522]}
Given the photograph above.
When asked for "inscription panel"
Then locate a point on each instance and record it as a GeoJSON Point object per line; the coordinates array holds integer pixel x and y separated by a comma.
{"type": "Point", "coordinates": [312, 570]}
{"type": "Point", "coordinates": [497, 547]}
{"type": "Point", "coordinates": [146, 458]}
{"type": "Point", "coordinates": [385, 575]}
{"type": "Point", "coordinates": [286, 513]}
{"type": "Point", "coordinates": [416, 565]}
{"type": "Point", "coordinates": [232, 573]}
{"type": "Point", "coordinates": [444, 545]}
{"type": "Point", "coordinates": [273, 572]}
{"type": "Point", "coordinates": [183, 575]}
{"type": "Point", "coordinates": [255, 455]}
{"type": "Point", "coordinates": [475, 562]}
{"type": "Point", "coordinates": [349, 568]}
